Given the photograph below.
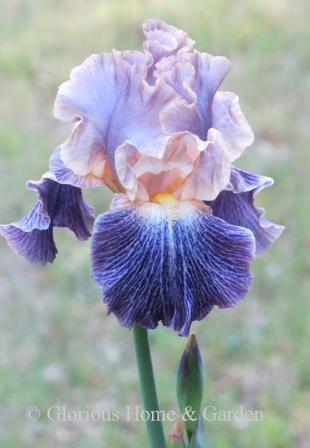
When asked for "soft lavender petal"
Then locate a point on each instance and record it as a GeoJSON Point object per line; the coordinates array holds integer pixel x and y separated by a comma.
{"type": "Point", "coordinates": [163, 40]}
{"type": "Point", "coordinates": [143, 176]}
{"type": "Point", "coordinates": [109, 100]}
{"type": "Point", "coordinates": [228, 118]}
{"type": "Point", "coordinates": [59, 172]}
{"type": "Point", "coordinates": [211, 172]}
{"type": "Point", "coordinates": [197, 87]}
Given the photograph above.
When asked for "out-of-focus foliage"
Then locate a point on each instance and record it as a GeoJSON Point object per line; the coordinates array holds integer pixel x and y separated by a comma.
{"type": "Point", "coordinates": [57, 345]}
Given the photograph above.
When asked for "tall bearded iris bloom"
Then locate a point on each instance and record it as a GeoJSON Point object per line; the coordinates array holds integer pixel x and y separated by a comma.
{"type": "Point", "coordinates": [182, 229]}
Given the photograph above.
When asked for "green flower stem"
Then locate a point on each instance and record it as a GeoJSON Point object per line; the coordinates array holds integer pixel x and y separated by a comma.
{"type": "Point", "coordinates": [148, 387]}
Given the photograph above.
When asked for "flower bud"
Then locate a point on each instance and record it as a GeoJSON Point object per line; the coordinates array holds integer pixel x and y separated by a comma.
{"type": "Point", "coordinates": [198, 438]}
{"type": "Point", "coordinates": [190, 384]}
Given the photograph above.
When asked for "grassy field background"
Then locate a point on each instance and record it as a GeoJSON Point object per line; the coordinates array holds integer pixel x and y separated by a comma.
{"type": "Point", "coordinates": [57, 346]}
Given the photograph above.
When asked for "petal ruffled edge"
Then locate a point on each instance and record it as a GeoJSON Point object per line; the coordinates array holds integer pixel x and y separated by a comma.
{"type": "Point", "coordinates": [211, 172]}
{"type": "Point", "coordinates": [153, 269]}
{"type": "Point", "coordinates": [228, 118]}
{"type": "Point", "coordinates": [195, 77]}
{"type": "Point", "coordinates": [237, 207]}
{"type": "Point", "coordinates": [32, 237]}
{"type": "Point", "coordinates": [143, 176]}
{"type": "Point", "coordinates": [59, 172]}
{"type": "Point", "coordinates": [109, 98]}
{"type": "Point", "coordinates": [162, 39]}
{"type": "Point", "coordinates": [57, 206]}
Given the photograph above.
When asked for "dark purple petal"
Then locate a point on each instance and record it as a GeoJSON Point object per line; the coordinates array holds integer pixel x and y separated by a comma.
{"type": "Point", "coordinates": [243, 181]}
{"type": "Point", "coordinates": [65, 207]}
{"type": "Point", "coordinates": [57, 206]}
{"type": "Point", "coordinates": [32, 236]}
{"type": "Point", "coordinates": [154, 269]}
{"type": "Point", "coordinates": [237, 207]}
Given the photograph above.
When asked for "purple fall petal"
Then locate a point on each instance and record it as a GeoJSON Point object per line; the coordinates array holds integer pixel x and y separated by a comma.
{"type": "Point", "coordinates": [153, 269]}
{"type": "Point", "coordinates": [32, 236]}
{"type": "Point", "coordinates": [237, 207]}
{"type": "Point", "coordinates": [57, 206]}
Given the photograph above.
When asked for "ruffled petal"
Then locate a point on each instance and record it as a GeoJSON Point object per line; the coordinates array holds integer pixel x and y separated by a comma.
{"type": "Point", "coordinates": [237, 207]}
{"type": "Point", "coordinates": [179, 73]}
{"type": "Point", "coordinates": [60, 173]}
{"type": "Point", "coordinates": [196, 77]}
{"type": "Point", "coordinates": [189, 169]}
{"type": "Point", "coordinates": [57, 206]}
{"type": "Point", "coordinates": [154, 268]}
{"type": "Point", "coordinates": [32, 237]}
{"type": "Point", "coordinates": [211, 173]}
{"type": "Point", "coordinates": [126, 157]}
{"type": "Point", "coordinates": [228, 118]}
{"type": "Point", "coordinates": [84, 152]}
{"type": "Point", "coordinates": [110, 102]}
{"type": "Point", "coordinates": [163, 40]}
{"type": "Point", "coordinates": [143, 176]}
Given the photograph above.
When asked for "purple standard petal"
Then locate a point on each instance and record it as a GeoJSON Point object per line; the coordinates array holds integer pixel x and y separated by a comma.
{"type": "Point", "coordinates": [57, 206]}
{"type": "Point", "coordinates": [237, 207]}
{"type": "Point", "coordinates": [152, 267]}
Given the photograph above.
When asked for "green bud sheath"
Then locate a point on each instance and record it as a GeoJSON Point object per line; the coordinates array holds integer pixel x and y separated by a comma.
{"type": "Point", "coordinates": [198, 438]}
{"type": "Point", "coordinates": [176, 437]}
{"type": "Point", "coordinates": [190, 385]}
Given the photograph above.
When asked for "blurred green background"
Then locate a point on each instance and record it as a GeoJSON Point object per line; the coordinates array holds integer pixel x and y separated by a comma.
{"type": "Point", "coordinates": [57, 344]}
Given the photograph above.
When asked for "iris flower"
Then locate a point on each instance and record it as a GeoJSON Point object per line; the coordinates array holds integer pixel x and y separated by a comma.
{"type": "Point", "coordinates": [182, 228]}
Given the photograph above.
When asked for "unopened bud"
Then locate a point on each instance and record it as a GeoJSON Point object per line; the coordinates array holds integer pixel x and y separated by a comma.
{"type": "Point", "coordinates": [190, 384]}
